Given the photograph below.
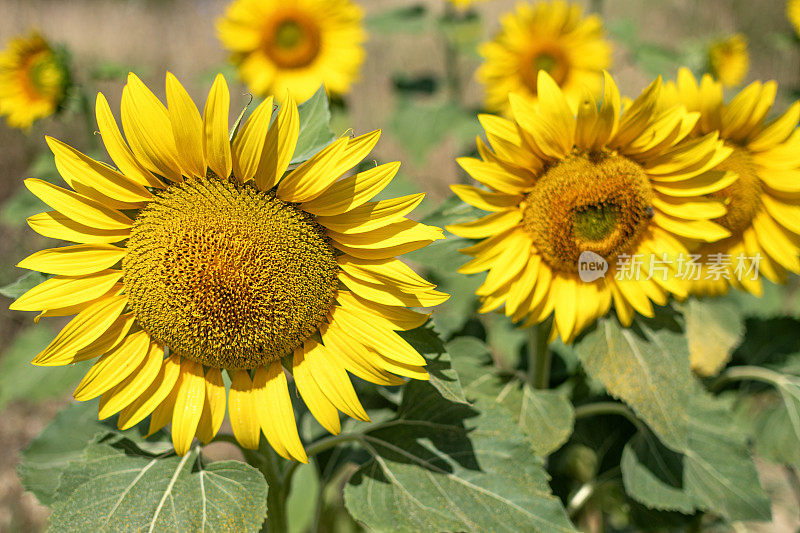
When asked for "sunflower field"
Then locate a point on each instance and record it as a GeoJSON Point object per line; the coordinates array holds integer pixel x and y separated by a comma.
{"type": "Point", "coordinates": [399, 265]}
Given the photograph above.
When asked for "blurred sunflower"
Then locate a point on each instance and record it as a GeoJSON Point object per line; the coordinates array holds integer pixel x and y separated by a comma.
{"type": "Point", "coordinates": [463, 4]}
{"type": "Point", "coordinates": [763, 204]}
{"type": "Point", "coordinates": [550, 36]}
{"type": "Point", "coordinates": [294, 47]}
{"type": "Point", "coordinates": [200, 256]}
{"type": "Point", "coordinates": [629, 189]}
{"type": "Point", "coordinates": [33, 80]}
{"type": "Point", "coordinates": [729, 60]}
{"type": "Point", "coordinates": [793, 14]}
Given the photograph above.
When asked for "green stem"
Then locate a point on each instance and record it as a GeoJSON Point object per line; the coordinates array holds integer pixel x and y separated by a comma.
{"type": "Point", "coordinates": [596, 6]}
{"type": "Point", "coordinates": [539, 356]}
{"type": "Point", "coordinates": [608, 408]}
{"type": "Point", "coordinates": [747, 373]}
{"type": "Point", "coordinates": [88, 116]}
{"type": "Point", "coordinates": [264, 459]}
{"type": "Point", "coordinates": [451, 61]}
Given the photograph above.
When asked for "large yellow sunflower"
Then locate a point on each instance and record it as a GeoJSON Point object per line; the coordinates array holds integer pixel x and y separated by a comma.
{"type": "Point", "coordinates": [550, 36]}
{"type": "Point", "coordinates": [33, 80]}
{"type": "Point", "coordinates": [294, 46]}
{"type": "Point", "coordinates": [729, 60]}
{"type": "Point", "coordinates": [568, 193]}
{"type": "Point", "coordinates": [200, 256]}
{"type": "Point", "coordinates": [763, 205]}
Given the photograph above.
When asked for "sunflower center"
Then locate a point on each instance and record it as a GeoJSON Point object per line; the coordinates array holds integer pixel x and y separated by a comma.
{"type": "Point", "coordinates": [45, 74]}
{"type": "Point", "coordinates": [292, 39]}
{"type": "Point", "coordinates": [598, 202]}
{"type": "Point", "coordinates": [227, 275]}
{"type": "Point", "coordinates": [742, 197]}
{"type": "Point", "coordinates": [551, 59]}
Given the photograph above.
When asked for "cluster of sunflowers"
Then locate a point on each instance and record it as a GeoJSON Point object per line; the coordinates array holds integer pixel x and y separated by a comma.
{"type": "Point", "coordinates": [214, 273]}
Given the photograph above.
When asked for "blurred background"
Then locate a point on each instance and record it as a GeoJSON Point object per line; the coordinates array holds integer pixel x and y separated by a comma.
{"type": "Point", "coordinates": [401, 90]}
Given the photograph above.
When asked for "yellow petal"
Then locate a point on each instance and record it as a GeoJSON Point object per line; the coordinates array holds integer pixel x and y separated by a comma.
{"type": "Point", "coordinates": [82, 330]}
{"type": "Point", "coordinates": [316, 401]}
{"type": "Point", "coordinates": [213, 408]}
{"type": "Point", "coordinates": [190, 396]}
{"type": "Point", "coordinates": [349, 193]}
{"type": "Point", "coordinates": [62, 291]}
{"type": "Point", "coordinates": [275, 412]}
{"type": "Point", "coordinates": [333, 380]}
{"type": "Point", "coordinates": [76, 260]}
{"type": "Point", "coordinates": [96, 180]}
{"type": "Point", "coordinates": [216, 145]}
{"type": "Point", "coordinates": [114, 335]}
{"type": "Point", "coordinates": [384, 341]}
{"type": "Point", "coordinates": [372, 215]}
{"type": "Point", "coordinates": [114, 366]}
{"type": "Point", "coordinates": [242, 409]}
{"type": "Point", "coordinates": [386, 241]}
{"type": "Point", "coordinates": [148, 130]}
{"type": "Point", "coordinates": [187, 128]}
{"type": "Point", "coordinates": [486, 200]}
{"type": "Point", "coordinates": [311, 178]}
{"type": "Point", "coordinates": [494, 176]}
{"type": "Point", "coordinates": [57, 226]}
{"type": "Point", "coordinates": [134, 385]}
{"type": "Point", "coordinates": [279, 146]}
{"type": "Point", "coordinates": [155, 394]}
{"type": "Point", "coordinates": [392, 316]}
{"type": "Point", "coordinates": [248, 144]}
{"type": "Point", "coordinates": [355, 359]}
{"type": "Point", "coordinates": [118, 150]}
{"type": "Point", "coordinates": [488, 225]}
{"type": "Point", "coordinates": [77, 207]}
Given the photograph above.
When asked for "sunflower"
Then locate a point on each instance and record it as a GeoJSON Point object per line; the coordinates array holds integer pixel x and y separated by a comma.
{"type": "Point", "coordinates": [550, 36]}
{"type": "Point", "coordinates": [200, 256]}
{"type": "Point", "coordinates": [793, 14]}
{"type": "Point", "coordinates": [763, 205]}
{"type": "Point", "coordinates": [294, 46]}
{"type": "Point", "coordinates": [33, 80]}
{"type": "Point", "coordinates": [623, 191]}
{"type": "Point", "coordinates": [464, 4]}
{"type": "Point", "coordinates": [729, 60]}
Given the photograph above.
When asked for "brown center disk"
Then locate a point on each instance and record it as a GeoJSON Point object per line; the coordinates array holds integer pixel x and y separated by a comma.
{"type": "Point", "coordinates": [228, 275]}
{"type": "Point", "coordinates": [599, 202]}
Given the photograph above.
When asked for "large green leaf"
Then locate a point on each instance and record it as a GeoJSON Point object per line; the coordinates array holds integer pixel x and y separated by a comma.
{"type": "Point", "coordinates": [442, 466]}
{"type": "Point", "coordinates": [315, 133]}
{"type": "Point", "coordinates": [653, 474]}
{"type": "Point", "coordinates": [442, 375]}
{"type": "Point", "coordinates": [714, 328]}
{"type": "Point", "coordinates": [545, 417]}
{"type": "Point", "coordinates": [713, 473]}
{"type": "Point", "coordinates": [647, 366]}
{"type": "Point", "coordinates": [115, 491]}
{"type": "Point", "coordinates": [22, 381]}
{"type": "Point", "coordinates": [719, 473]}
{"type": "Point", "coordinates": [61, 442]}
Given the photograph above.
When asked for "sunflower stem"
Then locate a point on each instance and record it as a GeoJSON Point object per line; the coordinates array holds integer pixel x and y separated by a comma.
{"type": "Point", "coordinates": [88, 116]}
{"type": "Point", "coordinates": [539, 356]}
{"type": "Point", "coordinates": [608, 408]}
{"type": "Point", "coordinates": [746, 373]}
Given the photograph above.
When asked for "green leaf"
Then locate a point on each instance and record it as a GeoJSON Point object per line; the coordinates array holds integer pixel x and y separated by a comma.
{"type": "Point", "coordinates": [113, 490]}
{"type": "Point", "coordinates": [421, 127]}
{"type": "Point", "coordinates": [647, 366]}
{"type": "Point", "coordinates": [409, 19]}
{"type": "Point", "coordinates": [314, 116]}
{"type": "Point", "coordinates": [772, 427]}
{"type": "Point", "coordinates": [714, 328]}
{"type": "Point", "coordinates": [442, 375]}
{"type": "Point", "coordinates": [23, 284]}
{"type": "Point", "coordinates": [20, 380]}
{"type": "Point", "coordinates": [443, 466]}
{"type": "Point", "coordinates": [719, 473]}
{"type": "Point", "coordinates": [546, 417]}
{"type": "Point", "coordinates": [61, 442]}
{"type": "Point", "coordinates": [714, 472]}
{"type": "Point", "coordinates": [653, 474]}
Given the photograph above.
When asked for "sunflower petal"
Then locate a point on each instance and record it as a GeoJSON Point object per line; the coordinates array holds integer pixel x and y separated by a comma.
{"type": "Point", "coordinates": [187, 128]}
{"type": "Point", "coordinates": [216, 146]}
